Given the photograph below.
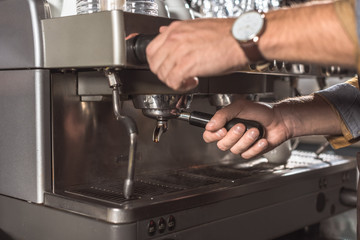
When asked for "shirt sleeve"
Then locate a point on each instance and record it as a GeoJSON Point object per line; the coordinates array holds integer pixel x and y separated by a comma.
{"type": "Point", "coordinates": [348, 12]}
{"type": "Point", "coordinates": [344, 99]}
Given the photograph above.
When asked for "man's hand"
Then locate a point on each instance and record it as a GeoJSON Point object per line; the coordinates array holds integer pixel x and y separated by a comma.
{"type": "Point", "coordinates": [189, 49]}
{"type": "Point", "coordinates": [293, 117]}
{"type": "Point", "coordinates": [240, 141]}
{"type": "Point", "coordinates": [205, 47]}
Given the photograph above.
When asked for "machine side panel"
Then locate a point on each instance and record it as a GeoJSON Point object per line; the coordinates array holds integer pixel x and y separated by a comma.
{"type": "Point", "coordinates": [25, 155]}
{"type": "Point", "coordinates": [36, 222]}
{"type": "Point", "coordinates": [20, 38]}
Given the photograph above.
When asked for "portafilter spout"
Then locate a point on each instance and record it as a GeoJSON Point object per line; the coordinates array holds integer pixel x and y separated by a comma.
{"type": "Point", "coordinates": [131, 127]}
{"type": "Point", "coordinates": [160, 128]}
{"type": "Point", "coordinates": [161, 107]}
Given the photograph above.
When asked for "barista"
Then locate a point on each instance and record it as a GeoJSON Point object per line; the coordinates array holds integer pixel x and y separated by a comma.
{"type": "Point", "coordinates": [323, 33]}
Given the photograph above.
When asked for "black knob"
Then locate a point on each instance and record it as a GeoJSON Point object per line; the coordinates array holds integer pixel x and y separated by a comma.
{"type": "Point", "coordinates": [162, 225]}
{"type": "Point", "coordinates": [152, 228]}
{"type": "Point", "coordinates": [171, 223]}
{"type": "Point", "coordinates": [138, 46]}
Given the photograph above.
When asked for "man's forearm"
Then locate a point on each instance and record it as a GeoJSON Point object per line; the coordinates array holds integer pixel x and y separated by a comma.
{"type": "Point", "coordinates": [307, 34]}
{"type": "Point", "coordinates": [309, 115]}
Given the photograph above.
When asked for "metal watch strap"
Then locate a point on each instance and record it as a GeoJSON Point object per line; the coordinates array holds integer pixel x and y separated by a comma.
{"type": "Point", "coordinates": [252, 52]}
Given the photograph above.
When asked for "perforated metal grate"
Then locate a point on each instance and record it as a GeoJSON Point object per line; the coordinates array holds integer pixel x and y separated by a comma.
{"type": "Point", "coordinates": [146, 186]}
{"type": "Point", "coordinates": [113, 191]}
{"type": "Point", "coordinates": [223, 173]}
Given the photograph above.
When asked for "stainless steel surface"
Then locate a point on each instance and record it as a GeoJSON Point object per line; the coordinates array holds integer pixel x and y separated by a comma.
{"type": "Point", "coordinates": [161, 107]}
{"type": "Point", "coordinates": [116, 102]}
{"type": "Point", "coordinates": [129, 181]}
{"type": "Point", "coordinates": [143, 82]}
{"type": "Point", "coordinates": [22, 220]}
{"type": "Point", "coordinates": [160, 128]}
{"type": "Point", "coordinates": [21, 34]}
{"type": "Point", "coordinates": [221, 100]}
{"type": "Point", "coordinates": [93, 84]}
{"type": "Point", "coordinates": [103, 44]}
{"type": "Point", "coordinates": [163, 193]}
{"type": "Point", "coordinates": [113, 78]}
{"type": "Point", "coordinates": [108, 5]}
{"type": "Point", "coordinates": [348, 197]}
{"type": "Point", "coordinates": [131, 127]}
{"type": "Point", "coordinates": [81, 129]}
{"type": "Point", "coordinates": [237, 216]}
{"type": "Point", "coordinates": [25, 146]}
{"type": "Point", "coordinates": [185, 116]}
{"type": "Point", "coordinates": [100, 44]}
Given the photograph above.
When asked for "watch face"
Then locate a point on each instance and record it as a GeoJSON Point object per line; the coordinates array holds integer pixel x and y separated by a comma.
{"type": "Point", "coordinates": [247, 26]}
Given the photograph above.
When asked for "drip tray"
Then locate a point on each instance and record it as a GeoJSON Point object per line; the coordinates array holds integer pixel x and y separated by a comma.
{"type": "Point", "coordinates": [164, 192]}
{"type": "Point", "coordinates": [149, 186]}
{"type": "Point", "coordinates": [200, 179]}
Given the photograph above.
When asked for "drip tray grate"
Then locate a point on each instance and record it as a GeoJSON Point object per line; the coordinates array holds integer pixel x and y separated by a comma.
{"type": "Point", "coordinates": [225, 173]}
{"type": "Point", "coordinates": [113, 191]}
{"type": "Point", "coordinates": [147, 186]}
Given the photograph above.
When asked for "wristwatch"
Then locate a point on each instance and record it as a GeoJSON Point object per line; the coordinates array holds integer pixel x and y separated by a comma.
{"type": "Point", "coordinates": [247, 30]}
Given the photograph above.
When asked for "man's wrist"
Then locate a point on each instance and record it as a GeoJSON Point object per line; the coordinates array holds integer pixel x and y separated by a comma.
{"type": "Point", "coordinates": [247, 30]}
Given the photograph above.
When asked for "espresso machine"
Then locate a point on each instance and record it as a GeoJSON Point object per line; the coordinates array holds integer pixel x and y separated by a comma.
{"type": "Point", "coordinates": [92, 146]}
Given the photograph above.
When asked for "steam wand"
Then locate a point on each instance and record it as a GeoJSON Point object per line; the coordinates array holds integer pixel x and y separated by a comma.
{"type": "Point", "coordinates": [130, 125]}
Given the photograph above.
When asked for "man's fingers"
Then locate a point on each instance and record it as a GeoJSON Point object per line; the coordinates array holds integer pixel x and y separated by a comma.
{"type": "Point", "coordinates": [190, 83]}
{"type": "Point", "coordinates": [214, 136]}
{"type": "Point", "coordinates": [258, 148]}
{"type": "Point", "coordinates": [246, 141]}
{"type": "Point", "coordinates": [232, 137]}
{"type": "Point", "coordinates": [221, 117]}
{"type": "Point", "coordinates": [156, 51]}
{"type": "Point", "coordinates": [180, 75]}
{"type": "Point", "coordinates": [177, 59]}
{"type": "Point", "coordinates": [163, 29]}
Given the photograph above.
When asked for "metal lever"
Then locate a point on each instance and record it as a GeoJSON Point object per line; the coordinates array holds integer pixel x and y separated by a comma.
{"type": "Point", "coordinates": [200, 119]}
{"type": "Point", "coordinates": [131, 127]}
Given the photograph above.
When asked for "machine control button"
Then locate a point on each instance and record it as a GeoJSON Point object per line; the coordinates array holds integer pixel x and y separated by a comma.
{"type": "Point", "coordinates": [321, 202]}
{"type": "Point", "coordinates": [161, 225]}
{"type": "Point", "coordinates": [171, 223]}
{"type": "Point", "coordinates": [152, 228]}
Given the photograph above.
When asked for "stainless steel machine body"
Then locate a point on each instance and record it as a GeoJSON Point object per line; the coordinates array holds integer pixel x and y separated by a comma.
{"type": "Point", "coordinates": [64, 155]}
{"type": "Point", "coordinates": [25, 124]}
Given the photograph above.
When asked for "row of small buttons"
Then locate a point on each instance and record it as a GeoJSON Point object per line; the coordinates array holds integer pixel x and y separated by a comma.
{"type": "Point", "coordinates": [161, 225]}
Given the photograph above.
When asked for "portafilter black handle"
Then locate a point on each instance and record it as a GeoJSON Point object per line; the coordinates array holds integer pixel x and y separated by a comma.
{"type": "Point", "coordinates": [138, 46]}
{"type": "Point", "coordinates": [200, 119]}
